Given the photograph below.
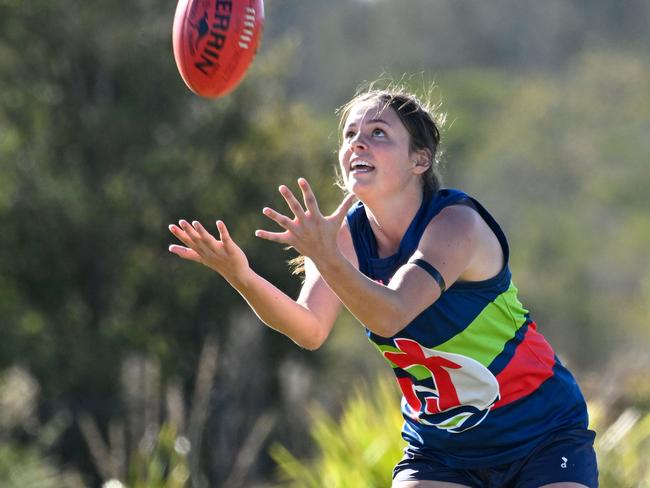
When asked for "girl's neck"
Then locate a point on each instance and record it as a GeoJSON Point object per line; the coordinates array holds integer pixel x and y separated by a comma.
{"type": "Point", "coordinates": [390, 219]}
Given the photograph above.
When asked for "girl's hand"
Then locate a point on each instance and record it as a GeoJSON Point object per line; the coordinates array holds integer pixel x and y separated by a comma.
{"type": "Point", "coordinates": [222, 255]}
{"type": "Point", "coordinates": [309, 232]}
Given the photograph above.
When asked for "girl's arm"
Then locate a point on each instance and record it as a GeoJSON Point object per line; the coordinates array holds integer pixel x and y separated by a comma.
{"type": "Point", "coordinates": [457, 243]}
{"type": "Point", "coordinates": [451, 244]}
{"type": "Point", "coordinates": [307, 321]}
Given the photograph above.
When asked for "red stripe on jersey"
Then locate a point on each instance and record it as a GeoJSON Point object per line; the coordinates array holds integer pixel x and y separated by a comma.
{"type": "Point", "coordinates": [531, 365]}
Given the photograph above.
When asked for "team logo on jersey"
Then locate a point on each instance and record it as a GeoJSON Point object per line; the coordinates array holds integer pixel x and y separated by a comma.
{"type": "Point", "coordinates": [451, 392]}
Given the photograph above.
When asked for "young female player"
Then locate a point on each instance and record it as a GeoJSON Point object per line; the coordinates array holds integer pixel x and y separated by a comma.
{"type": "Point", "coordinates": [486, 402]}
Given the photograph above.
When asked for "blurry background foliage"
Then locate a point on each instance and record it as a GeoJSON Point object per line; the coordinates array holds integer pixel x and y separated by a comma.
{"type": "Point", "coordinates": [359, 449]}
{"type": "Point", "coordinates": [122, 363]}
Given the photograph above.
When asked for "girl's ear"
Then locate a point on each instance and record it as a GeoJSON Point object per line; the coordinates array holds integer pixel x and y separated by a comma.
{"type": "Point", "coordinates": [421, 160]}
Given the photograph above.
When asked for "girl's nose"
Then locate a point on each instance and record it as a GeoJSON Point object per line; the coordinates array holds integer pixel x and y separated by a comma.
{"type": "Point", "coordinates": [358, 141]}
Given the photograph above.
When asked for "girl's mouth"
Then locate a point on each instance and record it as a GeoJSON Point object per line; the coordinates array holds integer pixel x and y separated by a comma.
{"type": "Point", "coordinates": [361, 166]}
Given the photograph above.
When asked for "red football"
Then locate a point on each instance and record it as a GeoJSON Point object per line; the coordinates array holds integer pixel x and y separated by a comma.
{"type": "Point", "coordinates": [215, 42]}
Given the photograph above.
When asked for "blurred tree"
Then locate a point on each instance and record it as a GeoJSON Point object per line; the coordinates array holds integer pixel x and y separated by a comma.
{"type": "Point", "coordinates": [26, 456]}
{"type": "Point", "coordinates": [359, 449]}
{"type": "Point", "coordinates": [360, 39]}
{"type": "Point", "coordinates": [101, 147]}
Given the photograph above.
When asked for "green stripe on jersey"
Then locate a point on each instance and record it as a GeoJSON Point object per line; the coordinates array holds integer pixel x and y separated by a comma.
{"type": "Point", "coordinates": [485, 338]}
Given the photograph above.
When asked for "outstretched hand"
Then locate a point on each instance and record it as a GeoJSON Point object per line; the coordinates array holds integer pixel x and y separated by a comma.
{"type": "Point", "coordinates": [222, 255]}
{"type": "Point", "coordinates": [309, 232]}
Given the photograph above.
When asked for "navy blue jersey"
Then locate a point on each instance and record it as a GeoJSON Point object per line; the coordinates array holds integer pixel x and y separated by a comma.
{"type": "Point", "coordinates": [481, 386]}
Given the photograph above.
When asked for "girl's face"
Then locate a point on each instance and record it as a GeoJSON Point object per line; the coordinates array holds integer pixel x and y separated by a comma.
{"type": "Point", "coordinates": [375, 155]}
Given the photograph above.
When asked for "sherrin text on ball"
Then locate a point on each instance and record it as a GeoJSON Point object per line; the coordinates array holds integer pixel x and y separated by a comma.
{"type": "Point", "coordinates": [215, 42]}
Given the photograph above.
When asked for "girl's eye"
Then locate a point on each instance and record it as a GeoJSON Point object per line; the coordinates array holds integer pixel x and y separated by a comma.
{"type": "Point", "coordinates": [375, 133]}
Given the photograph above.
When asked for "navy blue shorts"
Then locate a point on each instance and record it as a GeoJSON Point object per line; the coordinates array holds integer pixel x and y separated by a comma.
{"type": "Point", "coordinates": [568, 456]}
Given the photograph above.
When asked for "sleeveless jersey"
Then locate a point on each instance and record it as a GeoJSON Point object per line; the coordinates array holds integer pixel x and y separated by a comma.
{"type": "Point", "coordinates": [481, 386]}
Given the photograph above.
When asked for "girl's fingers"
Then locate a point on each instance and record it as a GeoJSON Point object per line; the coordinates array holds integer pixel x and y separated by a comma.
{"type": "Point", "coordinates": [224, 235]}
{"type": "Point", "coordinates": [292, 201]}
{"type": "Point", "coordinates": [308, 196]}
{"type": "Point", "coordinates": [195, 237]}
{"type": "Point", "coordinates": [189, 230]}
{"type": "Point", "coordinates": [282, 220]}
{"type": "Point", "coordinates": [181, 235]}
{"type": "Point", "coordinates": [280, 237]}
{"type": "Point", "coordinates": [204, 235]}
{"type": "Point", "coordinates": [199, 228]}
{"type": "Point", "coordinates": [228, 244]}
{"type": "Point", "coordinates": [208, 241]}
{"type": "Point", "coordinates": [185, 253]}
{"type": "Point", "coordinates": [203, 241]}
{"type": "Point", "coordinates": [342, 210]}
